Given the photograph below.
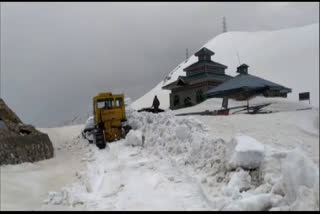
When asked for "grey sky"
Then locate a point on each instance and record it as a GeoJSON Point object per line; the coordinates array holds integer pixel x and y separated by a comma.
{"type": "Point", "coordinates": [56, 56]}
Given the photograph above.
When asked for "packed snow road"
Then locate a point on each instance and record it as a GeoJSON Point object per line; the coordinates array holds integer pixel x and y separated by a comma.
{"type": "Point", "coordinates": [24, 186]}
{"type": "Point", "coordinates": [119, 178]}
{"type": "Point", "coordinates": [131, 179]}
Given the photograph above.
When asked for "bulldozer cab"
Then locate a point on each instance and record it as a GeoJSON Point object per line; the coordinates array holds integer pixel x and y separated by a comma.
{"type": "Point", "coordinates": [108, 106]}
{"type": "Point", "coordinates": [109, 115]}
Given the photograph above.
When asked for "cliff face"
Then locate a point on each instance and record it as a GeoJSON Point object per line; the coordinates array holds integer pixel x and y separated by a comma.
{"type": "Point", "coordinates": [20, 142]}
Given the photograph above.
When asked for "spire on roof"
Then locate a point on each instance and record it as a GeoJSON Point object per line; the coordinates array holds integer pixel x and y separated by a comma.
{"type": "Point", "coordinates": [203, 51]}
{"type": "Point", "coordinates": [204, 54]}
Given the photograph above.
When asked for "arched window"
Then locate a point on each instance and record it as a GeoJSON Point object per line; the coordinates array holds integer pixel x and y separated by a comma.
{"type": "Point", "coordinates": [176, 100]}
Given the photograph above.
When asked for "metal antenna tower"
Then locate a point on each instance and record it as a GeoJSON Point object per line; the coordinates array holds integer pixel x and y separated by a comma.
{"type": "Point", "coordinates": [224, 25]}
{"type": "Point", "coordinates": [238, 58]}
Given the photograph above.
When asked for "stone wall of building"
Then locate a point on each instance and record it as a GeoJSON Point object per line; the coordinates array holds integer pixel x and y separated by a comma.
{"type": "Point", "coordinates": [183, 94]}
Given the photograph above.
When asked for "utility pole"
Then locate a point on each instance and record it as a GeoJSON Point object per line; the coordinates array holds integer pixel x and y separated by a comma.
{"type": "Point", "coordinates": [224, 25]}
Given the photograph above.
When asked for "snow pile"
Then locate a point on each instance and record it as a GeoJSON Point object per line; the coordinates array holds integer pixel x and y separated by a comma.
{"type": "Point", "coordinates": [89, 123]}
{"type": "Point", "coordinates": [300, 181]}
{"type": "Point", "coordinates": [243, 174]}
{"type": "Point", "coordinates": [245, 152]}
{"type": "Point", "coordinates": [134, 138]}
{"type": "Point", "coordinates": [239, 181]}
{"type": "Point", "coordinates": [238, 175]}
{"type": "Point", "coordinates": [283, 48]}
{"type": "Point", "coordinates": [163, 133]}
{"type": "Point", "coordinates": [259, 202]}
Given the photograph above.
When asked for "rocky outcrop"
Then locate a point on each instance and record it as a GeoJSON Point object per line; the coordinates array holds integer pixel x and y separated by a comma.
{"type": "Point", "coordinates": [20, 142]}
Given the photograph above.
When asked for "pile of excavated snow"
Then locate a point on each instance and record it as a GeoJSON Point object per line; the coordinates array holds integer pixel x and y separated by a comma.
{"type": "Point", "coordinates": [242, 174]}
{"type": "Point", "coordinates": [244, 152]}
{"type": "Point", "coordinates": [300, 181]}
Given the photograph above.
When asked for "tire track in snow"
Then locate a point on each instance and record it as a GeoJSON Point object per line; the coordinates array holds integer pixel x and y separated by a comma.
{"type": "Point", "coordinates": [133, 183]}
{"type": "Point", "coordinates": [192, 181]}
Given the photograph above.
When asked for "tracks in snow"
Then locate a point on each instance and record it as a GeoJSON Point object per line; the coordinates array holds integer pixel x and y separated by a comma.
{"type": "Point", "coordinates": [135, 180]}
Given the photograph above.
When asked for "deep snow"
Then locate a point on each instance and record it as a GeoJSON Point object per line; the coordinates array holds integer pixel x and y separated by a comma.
{"type": "Point", "coordinates": [177, 163]}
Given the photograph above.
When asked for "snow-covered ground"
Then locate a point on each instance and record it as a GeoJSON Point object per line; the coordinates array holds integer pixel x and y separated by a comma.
{"type": "Point", "coordinates": [169, 162]}
{"type": "Point", "coordinates": [24, 186]}
{"type": "Point", "coordinates": [288, 128]}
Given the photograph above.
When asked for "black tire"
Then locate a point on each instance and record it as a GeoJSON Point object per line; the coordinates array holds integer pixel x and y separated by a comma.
{"type": "Point", "coordinates": [126, 129]}
{"type": "Point", "coordinates": [99, 139]}
{"type": "Point", "coordinates": [101, 145]}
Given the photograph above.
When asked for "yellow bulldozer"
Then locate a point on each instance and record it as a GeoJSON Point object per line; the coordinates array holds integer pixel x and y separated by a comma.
{"type": "Point", "coordinates": [109, 119]}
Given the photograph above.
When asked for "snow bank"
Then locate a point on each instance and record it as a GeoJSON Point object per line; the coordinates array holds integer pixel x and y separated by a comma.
{"type": "Point", "coordinates": [239, 181]}
{"type": "Point", "coordinates": [300, 180]}
{"type": "Point", "coordinates": [245, 152]}
{"type": "Point", "coordinates": [242, 174]}
{"type": "Point", "coordinates": [134, 138]}
{"type": "Point", "coordinates": [89, 124]}
{"type": "Point", "coordinates": [164, 133]}
{"type": "Point", "coordinates": [238, 175]}
{"type": "Point", "coordinates": [260, 202]}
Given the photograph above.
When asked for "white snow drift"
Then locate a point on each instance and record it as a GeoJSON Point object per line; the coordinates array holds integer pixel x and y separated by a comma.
{"type": "Point", "coordinates": [257, 182]}
{"type": "Point", "coordinates": [244, 152]}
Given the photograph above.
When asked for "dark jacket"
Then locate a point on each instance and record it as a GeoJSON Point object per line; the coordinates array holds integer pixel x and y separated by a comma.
{"type": "Point", "coordinates": [155, 103]}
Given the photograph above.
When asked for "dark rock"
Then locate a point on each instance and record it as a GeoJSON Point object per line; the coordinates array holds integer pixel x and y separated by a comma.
{"type": "Point", "coordinates": [20, 142]}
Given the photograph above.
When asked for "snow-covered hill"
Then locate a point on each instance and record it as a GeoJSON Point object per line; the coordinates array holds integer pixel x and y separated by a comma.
{"type": "Point", "coordinates": [289, 57]}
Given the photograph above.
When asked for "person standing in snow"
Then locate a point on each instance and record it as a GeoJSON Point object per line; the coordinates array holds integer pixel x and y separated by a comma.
{"type": "Point", "coordinates": [156, 104]}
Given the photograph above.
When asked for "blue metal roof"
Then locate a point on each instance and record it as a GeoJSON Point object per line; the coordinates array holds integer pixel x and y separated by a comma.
{"type": "Point", "coordinates": [246, 82]}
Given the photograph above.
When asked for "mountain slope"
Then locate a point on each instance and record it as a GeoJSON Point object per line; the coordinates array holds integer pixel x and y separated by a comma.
{"type": "Point", "coordinates": [289, 57]}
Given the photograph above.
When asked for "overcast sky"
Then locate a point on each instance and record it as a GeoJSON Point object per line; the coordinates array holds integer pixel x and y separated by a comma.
{"type": "Point", "coordinates": [56, 56]}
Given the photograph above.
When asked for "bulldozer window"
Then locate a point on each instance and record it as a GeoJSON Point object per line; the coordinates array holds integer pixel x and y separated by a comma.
{"type": "Point", "coordinates": [101, 104]}
{"type": "Point", "coordinates": [109, 103]}
{"type": "Point", "coordinates": [118, 102]}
